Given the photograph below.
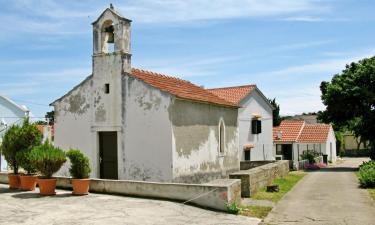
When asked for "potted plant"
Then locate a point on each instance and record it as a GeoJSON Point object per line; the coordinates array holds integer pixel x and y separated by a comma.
{"type": "Point", "coordinates": [80, 171]}
{"type": "Point", "coordinates": [29, 137]}
{"type": "Point", "coordinates": [47, 159]}
{"type": "Point", "coordinates": [9, 148]}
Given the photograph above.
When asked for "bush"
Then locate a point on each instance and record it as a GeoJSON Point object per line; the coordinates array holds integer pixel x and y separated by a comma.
{"type": "Point", "coordinates": [10, 146]}
{"type": "Point", "coordinates": [47, 159]}
{"type": "Point", "coordinates": [80, 164]}
{"type": "Point", "coordinates": [310, 156]}
{"type": "Point", "coordinates": [29, 137]}
{"type": "Point", "coordinates": [367, 174]}
{"type": "Point", "coordinates": [233, 208]}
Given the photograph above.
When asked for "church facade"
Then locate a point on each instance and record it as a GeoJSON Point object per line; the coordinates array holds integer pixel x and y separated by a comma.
{"type": "Point", "coordinates": [140, 125]}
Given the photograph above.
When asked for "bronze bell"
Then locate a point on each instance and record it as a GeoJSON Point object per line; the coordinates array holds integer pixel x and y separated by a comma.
{"type": "Point", "coordinates": [111, 36]}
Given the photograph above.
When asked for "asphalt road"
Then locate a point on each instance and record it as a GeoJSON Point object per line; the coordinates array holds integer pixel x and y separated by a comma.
{"type": "Point", "coordinates": [330, 196]}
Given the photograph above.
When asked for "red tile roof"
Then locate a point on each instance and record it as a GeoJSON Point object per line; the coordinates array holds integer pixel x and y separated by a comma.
{"type": "Point", "coordinates": [299, 131]}
{"type": "Point", "coordinates": [314, 133]}
{"type": "Point", "coordinates": [290, 130]}
{"type": "Point", "coordinates": [180, 88]}
{"type": "Point", "coordinates": [233, 94]}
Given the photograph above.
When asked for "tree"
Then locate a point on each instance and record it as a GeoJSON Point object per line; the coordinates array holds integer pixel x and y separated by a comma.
{"type": "Point", "coordinates": [275, 112]}
{"type": "Point", "coordinates": [50, 117]}
{"type": "Point", "coordinates": [350, 100]}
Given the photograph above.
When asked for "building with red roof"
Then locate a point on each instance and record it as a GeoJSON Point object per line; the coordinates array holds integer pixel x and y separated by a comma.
{"type": "Point", "coordinates": [293, 137]}
{"type": "Point", "coordinates": [254, 121]}
{"type": "Point", "coordinates": [136, 124]}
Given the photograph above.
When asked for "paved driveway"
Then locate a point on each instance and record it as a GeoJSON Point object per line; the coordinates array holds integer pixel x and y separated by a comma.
{"type": "Point", "coordinates": [330, 196]}
{"type": "Point", "coordinates": [29, 208]}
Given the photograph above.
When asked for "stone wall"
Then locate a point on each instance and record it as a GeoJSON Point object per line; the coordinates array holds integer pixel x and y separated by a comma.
{"type": "Point", "coordinates": [214, 195]}
{"type": "Point", "coordinates": [246, 165]}
{"type": "Point", "coordinates": [254, 179]}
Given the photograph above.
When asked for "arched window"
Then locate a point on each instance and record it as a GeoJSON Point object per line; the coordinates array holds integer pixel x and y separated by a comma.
{"type": "Point", "coordinates": [221, 137]}
{"type": "Point", "coordinates": [108, 37]}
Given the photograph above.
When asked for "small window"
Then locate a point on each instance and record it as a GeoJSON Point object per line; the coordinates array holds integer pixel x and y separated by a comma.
{"type": "Point", "coordinates": [256, 126]}
{"type": "Point", "coordinates": [221, 137]}
{"type": "Point", "coordinates": [106, 88]}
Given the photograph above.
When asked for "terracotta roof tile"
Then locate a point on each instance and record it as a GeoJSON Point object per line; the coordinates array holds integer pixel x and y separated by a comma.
{"type": "Point", "coordinates": [299, 131]}
{"type": "Point", "coordinates": [314, 133]}
{"type": "Point", "coordinates": [233, 94]}
{"type": "Point", "coordinates": [290, 130]}
{"type": "Point", "coordinates": [180, 88]}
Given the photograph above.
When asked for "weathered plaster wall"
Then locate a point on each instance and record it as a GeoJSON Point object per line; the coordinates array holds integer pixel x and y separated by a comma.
{"type": "Point", "coordinates": [73, 124]}
{"type": "Point", "coordinates": [147, 138]}
{"type": "Point", "coordinates": [263, 144]}
{"type": "Point", "coordinates": [196, 156]}
{"type": "Point", "coordinates": [331, 146]}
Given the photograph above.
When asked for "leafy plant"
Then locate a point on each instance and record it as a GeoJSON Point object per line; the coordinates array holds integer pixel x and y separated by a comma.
{"type": "Point", "coordinates": [233, 208]}
{"type": "Point", "coordinates": [80, 164]}
{"type": "Point", "coordinates": [29, 137]}
{"type": "Point", "coordinates": [47, 159]}
{"type": "Point", "coordinates": [10, 146]}
{"type": "Point", "coordinates": [310, 156]}
{"type": "Point", "coordinates": [367, 174]}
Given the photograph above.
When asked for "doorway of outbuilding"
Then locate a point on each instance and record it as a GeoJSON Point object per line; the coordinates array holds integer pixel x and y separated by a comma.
{"type": "Point", "coordinates": [108, 155]}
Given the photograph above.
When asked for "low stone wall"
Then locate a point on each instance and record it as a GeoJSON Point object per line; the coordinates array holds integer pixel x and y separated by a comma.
{"type": "Point", "coordinates": [246, 165]}
{"type": "Point", "coordinates": [214, 195]}
{"type": "Point", "coordinates": [254, 179]}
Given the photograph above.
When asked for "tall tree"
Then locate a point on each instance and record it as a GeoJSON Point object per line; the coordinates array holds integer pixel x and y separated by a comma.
{"type": "Point", "coordinates": [275, 112]}
{"type": "Point", "coordinates": [350, 100]}
{"type": "Point", "coordinates": [50, 117]}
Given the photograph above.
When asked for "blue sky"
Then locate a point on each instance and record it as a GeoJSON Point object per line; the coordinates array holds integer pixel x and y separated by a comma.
{"type": "Point", "coordinates": [285, 47]}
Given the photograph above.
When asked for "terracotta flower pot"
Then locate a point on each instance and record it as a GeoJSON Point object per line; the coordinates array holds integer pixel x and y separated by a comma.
{"type": "Point", "coordinates": [14, 181]}
{"type": "Point", "coordinates": [28, 182]}
{"type": "Point", "coordinates": [80, 186]}
{"type": "Point", "coordinates": [47, 186]}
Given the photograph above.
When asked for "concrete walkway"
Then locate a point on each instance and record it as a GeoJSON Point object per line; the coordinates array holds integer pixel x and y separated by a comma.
{"type": "Point", "coordinates": [29, 208]}
{"type": "Point", "coordinates": [330, 196]}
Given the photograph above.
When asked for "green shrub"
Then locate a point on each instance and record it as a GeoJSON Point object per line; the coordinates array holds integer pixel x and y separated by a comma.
{"type": "Point", "coordinates": [47, 159]}
{"type": "Point", "coordinates": [309, 155]}
{"type": "Point", "coordinates": [29, 137]}
{"type": "Point", "coordinates": [10, 146]}
{"type": "Point", "coordinates": [80, 164]}
{"type": "Point", "coordinates": [367, 174]}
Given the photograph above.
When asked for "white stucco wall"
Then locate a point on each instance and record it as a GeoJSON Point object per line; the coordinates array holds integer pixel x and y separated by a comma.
{"type": "Point", "coordinates": [73, 121]}
{"type": "Point", "coordinates": [10, 113]}
{"type": "Point", "coordinates": [196, 155]}
{"type": "Point", "coordinates": [263, 144]}
{"type": "Point", "coordinates": [331, 142]}
{"type": "Point", "coordinates": [147, 134]}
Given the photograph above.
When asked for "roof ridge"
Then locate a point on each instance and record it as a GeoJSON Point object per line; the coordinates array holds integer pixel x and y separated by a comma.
{"type": "Point", "coordinates": [163, 75]}
{"type": "Point", "coordinates": [241, 86]}
{"type": "Point", "coordinates": [300, 131]}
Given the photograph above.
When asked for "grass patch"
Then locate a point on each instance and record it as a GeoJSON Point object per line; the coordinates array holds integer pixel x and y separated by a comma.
{"type": "Point", "coordinates": [285, 184]}
{"type": "Point", "coordinates": [255, 211]}
{"type": "Point", "coordinates": [370, 190]}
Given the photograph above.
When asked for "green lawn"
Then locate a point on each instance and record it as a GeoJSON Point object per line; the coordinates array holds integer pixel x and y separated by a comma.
{"type": "Point", "coordinates": [255, 211]}
{"type": "Point", "coordinates": [285, 184]}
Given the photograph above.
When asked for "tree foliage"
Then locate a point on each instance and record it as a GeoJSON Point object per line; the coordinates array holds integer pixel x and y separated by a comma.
{"type": "Point", "coordinates": [79, 164]}
{"type": "Point", "coordinates": [50, 117]}
{"type": "Point", "coordinates": [350, 100]}
{"type": "Point", "coordinates": [275, 112]}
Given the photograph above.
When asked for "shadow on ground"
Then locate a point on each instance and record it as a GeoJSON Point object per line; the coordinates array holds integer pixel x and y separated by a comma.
{"type": "Point", "coordinates": [7, 190]}
{"type": "Point", "coordinates": [339, 169]}
{"type": "Point", "coordinates": [28, 195]}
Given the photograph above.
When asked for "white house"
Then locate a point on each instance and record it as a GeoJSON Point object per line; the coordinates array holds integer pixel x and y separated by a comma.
{"type": "Point", "coordinates": [293, 137]}
{"type": "Point", "coordinates": [10, 113]}
{"type": "Point", "coordinates": [140, 125]}
{"type": "Point", "coordinates": [254, 121]}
